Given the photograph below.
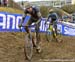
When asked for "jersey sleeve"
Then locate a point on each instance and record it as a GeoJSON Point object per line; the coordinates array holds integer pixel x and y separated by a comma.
{"type": "Point", "coordinates": [49, 16]}
{"type": "Point", "coordinates": [38, 12]}
{"type": "Point", "coordinates": [25, 11]}
{"type": "Point", "coordinates": [24, 15]}
{"type": "Point", "coordinates": [36, 9]}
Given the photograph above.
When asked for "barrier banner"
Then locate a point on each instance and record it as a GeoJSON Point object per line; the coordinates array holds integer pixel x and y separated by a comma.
{"type": "Point", "coordinates": [68, 30]}
{"type": "Point", "coordinates": [9, 23]}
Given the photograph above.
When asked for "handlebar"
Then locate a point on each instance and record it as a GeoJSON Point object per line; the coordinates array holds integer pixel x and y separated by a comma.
{"type": "Point", "coordinates": [29, 26]}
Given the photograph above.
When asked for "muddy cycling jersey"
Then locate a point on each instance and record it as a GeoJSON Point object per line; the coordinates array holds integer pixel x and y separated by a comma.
{"type": "Point", "coordinates": [53, 17]}
{"type": "Point", "coordinates": [35, 12]}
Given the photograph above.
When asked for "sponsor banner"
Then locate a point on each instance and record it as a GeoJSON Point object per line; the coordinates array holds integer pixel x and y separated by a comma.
{"type": "Point", "coordinates": [69, 31]}
{"type": "Point", "coordinates": [9, 23]}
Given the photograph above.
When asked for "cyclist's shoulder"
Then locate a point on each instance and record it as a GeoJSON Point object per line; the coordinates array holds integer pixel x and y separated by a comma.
{"type": "Point", "coordinates": [53, 13]}
{"type": "Point", "coordinates": [25, 10]}
{"type": "Point", "coordinates": [35, 8]}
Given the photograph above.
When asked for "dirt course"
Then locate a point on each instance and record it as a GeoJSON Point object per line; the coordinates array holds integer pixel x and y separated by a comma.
{"type": "Point", "coordinates": [12, 49]}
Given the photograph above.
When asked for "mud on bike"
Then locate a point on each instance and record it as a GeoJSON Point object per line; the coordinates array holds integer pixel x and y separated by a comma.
{"type": "Point", "coordinates": [53, 33]}
{"type": "Point", "coordinates": [29, 43]}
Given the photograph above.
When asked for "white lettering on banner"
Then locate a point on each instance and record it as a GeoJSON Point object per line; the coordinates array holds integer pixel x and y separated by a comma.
{"type": "Point", "coordinates": [69, 31]}
{"type": "Point", "coordinates": [3, 21]}
{"type": "Point", "coordinates": [59, 27]}
{"type": "Point", "coordinates": [17, 21]}
{"type": "Point", "coordinates": [9, 21]}
{"type": "Point", "coordinates": [9, 17]}
{"type": "Point", "coordinates": [66, 30]}
{"type": "Point", "coordinates": [42, 26]}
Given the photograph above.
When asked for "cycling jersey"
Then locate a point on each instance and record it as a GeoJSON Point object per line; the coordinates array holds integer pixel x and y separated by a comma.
{"type": "Point", "coordinates": [35, 12]}
{"type": "Point", "coordinates": [53, 20]}
{"type": "Point", "coordinates": [53, 17]}
{"type": "Point", "coordinates": [35, 16]}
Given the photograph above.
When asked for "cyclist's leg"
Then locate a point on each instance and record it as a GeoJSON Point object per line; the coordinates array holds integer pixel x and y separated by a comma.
{"type": "Point", "coordinates": [29, 31]}
{"type": "Point", "coordinates": [55, 26]}
{"type": "Point", "coordinates": [37, 38]}
{"type": "Point", "coordinates": [37, 33]}
{"type": "Point", "coordinates": [28, 47]}
{"type": "Point", "coordinates": [54, 33]}
{"type": "Point", "coordinates": [58, 35]}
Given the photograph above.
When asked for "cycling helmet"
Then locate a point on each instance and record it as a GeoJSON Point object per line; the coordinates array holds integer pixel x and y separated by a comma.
{"type": "Point", "coordinates": [51, 10]}
{"type": "Point", "coordinates": [28, 5]}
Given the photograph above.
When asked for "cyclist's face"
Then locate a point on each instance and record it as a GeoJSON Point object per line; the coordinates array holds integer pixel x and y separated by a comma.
{"type": "Point", "coordinates": [30, 9]}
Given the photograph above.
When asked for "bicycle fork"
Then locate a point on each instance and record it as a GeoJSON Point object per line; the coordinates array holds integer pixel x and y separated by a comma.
{"type": "Point", "coordinates": [54, 35]}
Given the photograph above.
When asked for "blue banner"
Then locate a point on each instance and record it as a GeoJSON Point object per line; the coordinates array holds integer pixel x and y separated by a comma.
{"type": "Point", "coordinates": [66, 29]}
{"type": "Point", "coordinates": [9, 23]}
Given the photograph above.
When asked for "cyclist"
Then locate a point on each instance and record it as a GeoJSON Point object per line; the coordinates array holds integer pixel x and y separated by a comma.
{"type": "Point", "coordinates": [53, 19]}
{"type": "Point", "coordinates": [35, 17]}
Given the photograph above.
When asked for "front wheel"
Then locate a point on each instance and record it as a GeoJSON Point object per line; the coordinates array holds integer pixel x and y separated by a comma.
{"type": "Point", "coordinates": [56, 36]}
{"type": "Point", "coordinates": [28, 48]}
{"type": "Point", "coordinates": [48, 35]}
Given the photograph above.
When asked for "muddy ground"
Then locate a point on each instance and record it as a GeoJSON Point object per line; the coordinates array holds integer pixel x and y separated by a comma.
{"type": "Point", "coordinates": [12, 49]}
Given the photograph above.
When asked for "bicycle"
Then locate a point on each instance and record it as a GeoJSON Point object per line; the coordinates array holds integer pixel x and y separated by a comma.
{"type": "Point", "coordinates": [29, 41]}
{"type": "Point", "coordinates": [52, 34]}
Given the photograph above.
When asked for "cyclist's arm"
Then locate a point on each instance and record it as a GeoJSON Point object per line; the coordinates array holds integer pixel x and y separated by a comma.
{"type": "Point", "coordinates": [49, 17]}
{"type": "Point", "coordinates": [39, 16]}
{"type": "Point", "coordinates": [23, 17]}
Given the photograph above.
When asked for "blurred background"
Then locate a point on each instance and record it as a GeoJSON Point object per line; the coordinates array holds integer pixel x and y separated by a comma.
{"type": "Point", "coordinates": [64, 8]}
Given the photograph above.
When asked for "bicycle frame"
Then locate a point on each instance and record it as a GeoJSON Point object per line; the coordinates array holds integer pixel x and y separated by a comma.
{"type": "Point", "coordinates": [29, 42]}
{"type": "Point", "coordinates": [54, 31]}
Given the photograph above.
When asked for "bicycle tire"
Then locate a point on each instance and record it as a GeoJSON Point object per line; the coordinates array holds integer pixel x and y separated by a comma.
{"type": "Point", "coordinates": [59, 36]}
{"type": "Point", "coordinates": [51, 35]}
{"type": "Point", "coordinates": [28, 48]}
{"type": "Point", "coordinates": [48, 35]}
{"type": "Point", "coordinates": [54, 35]}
